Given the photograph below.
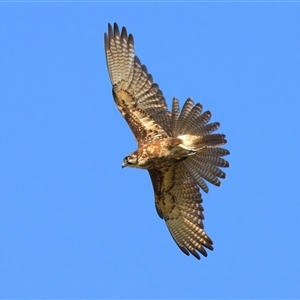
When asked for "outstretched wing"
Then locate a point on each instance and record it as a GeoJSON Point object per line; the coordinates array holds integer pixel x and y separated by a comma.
{"type": "Point", "coordinates": [177, 188]}
{"type": "Point", "coordinates": [178, 202]}
{"type": "Point", "coordinates": [139, 100]}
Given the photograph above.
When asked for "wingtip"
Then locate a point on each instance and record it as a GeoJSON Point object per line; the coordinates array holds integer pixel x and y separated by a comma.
{"type": "Point", "coordinates": [110, 30]}
{"type": "Point", "coordinates": [116, 30]}
{"type": "Point", "coordinates": [124, 33]}
{"type": "Point", "coordinates": [196, 254]}
{"type": "Point", "coordinates": [107, 37]}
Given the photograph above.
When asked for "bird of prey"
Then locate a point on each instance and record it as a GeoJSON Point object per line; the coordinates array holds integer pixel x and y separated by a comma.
{"type": "Point", "coordinates": [177, 147]}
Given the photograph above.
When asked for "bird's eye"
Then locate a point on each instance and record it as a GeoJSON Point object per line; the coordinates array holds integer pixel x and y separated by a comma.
{"type": "Point", "coordinates": [127, 161]}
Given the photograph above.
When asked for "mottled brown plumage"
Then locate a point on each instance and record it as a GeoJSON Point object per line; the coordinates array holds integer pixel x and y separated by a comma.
{"type": "Point", "coordinates": [178, 148]}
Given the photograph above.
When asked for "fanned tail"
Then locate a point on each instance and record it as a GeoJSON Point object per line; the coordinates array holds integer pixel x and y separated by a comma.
{"type": "Point", "coordinates": [191, 125]}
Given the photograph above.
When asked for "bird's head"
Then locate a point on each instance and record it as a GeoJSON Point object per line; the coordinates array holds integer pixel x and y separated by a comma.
{"type": "Point", "coordinates": [130, 161]}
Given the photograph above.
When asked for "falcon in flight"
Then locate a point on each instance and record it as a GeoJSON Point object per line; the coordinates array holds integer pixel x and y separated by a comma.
{"type": "Point", "coordinates": [177, 147]}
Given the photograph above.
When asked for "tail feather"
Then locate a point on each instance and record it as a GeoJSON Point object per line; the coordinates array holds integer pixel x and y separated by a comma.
{"type": "Point", "coordinates": [202, 142]}
{"type": "Point", "coordinates": [175, 115]}
{"type": "Point", "coordinates": [196, 175]}
{"type": "Point", "coordinates": [184, 116]}
{"type": "Point", "coordinates": [202, 130]}
{"type": "Point", "coordinates": [191, 125]}
{"type": "Point", "coordinates": [215, 160]}
{"type": "Point", "coordinates": [215, 152]}
{"type": "Point", "coordinates": [201, 172]}
{"type": "Point", "coordinates": [210, 168]}
{"type": "Point", "coordinates": [204, 118]}
{"type": "Point", "coordinates": [212, 140]}
{"type": "Point", "coordinates": [191, 119]}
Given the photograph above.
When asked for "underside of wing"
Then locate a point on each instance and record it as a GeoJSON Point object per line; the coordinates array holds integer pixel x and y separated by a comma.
{"type": "Point", "coordinates": [178, 202]}
{"type": "Point", "coordinates": [177, 187]}
{"type": "Point", "coordinates": [133, 88]}
{"type": "Point", "coordinates": [144, 128]}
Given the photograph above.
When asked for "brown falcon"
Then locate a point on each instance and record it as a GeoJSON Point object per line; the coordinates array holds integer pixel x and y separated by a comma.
{"type": "Point", "coordinates": [178, 148]}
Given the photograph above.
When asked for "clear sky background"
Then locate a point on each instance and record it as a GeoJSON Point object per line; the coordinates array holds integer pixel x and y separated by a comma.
{"type": "Point", "coordinates": [73, 224]}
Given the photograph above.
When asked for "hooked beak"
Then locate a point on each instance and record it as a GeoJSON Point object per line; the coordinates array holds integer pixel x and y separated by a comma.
{"type": "Point", "coordinates": [123, 165]}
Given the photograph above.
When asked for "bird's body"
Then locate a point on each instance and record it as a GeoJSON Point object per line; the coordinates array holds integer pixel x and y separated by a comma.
{"type": "Point", "coordinates": [159, 154]}
{"type": "Point", "coordinates": [178, 148]}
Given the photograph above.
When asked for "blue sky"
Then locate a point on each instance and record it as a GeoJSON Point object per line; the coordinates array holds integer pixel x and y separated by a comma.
{"type": "Point", "coordinates": [73, 224]}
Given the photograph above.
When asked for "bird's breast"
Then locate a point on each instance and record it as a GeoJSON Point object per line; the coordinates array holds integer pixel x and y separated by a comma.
{"type": "Point", "coordinates": [161, 153]}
